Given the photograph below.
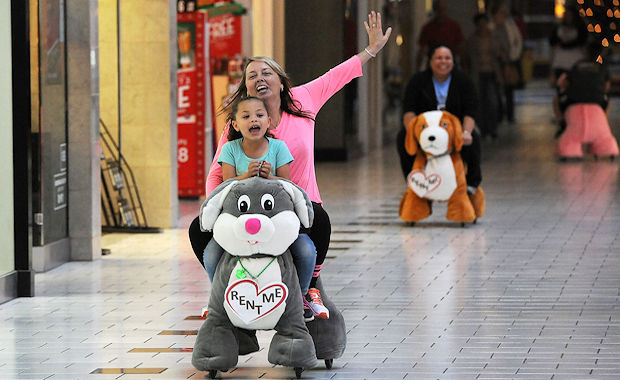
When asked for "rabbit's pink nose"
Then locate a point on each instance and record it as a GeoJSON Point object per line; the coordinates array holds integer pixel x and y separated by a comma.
{"type": "Point", "coordinates": [252, 226]}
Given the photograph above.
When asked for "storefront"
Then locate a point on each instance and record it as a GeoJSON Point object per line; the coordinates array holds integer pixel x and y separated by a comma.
{"type": "Point", "coordinates": [50, 197]}
{"type": "Point", "coordinates": [49, 137]}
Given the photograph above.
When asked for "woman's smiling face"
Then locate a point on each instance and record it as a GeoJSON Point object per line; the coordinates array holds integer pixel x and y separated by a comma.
{"type": "Point", "coordinates": [261, 80]}
{"type": "Point", "coordinates": [441, 62]}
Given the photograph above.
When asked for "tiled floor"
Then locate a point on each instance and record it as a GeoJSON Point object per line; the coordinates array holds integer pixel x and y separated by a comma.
{"type": "Point", "coordinates": [532, 291]}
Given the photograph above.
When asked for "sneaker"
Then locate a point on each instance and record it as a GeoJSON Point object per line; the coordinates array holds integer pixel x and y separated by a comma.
{"type": "Point", "coordinates": [313, 301]}
{"type": "Point", "coordinates": [308, 314]}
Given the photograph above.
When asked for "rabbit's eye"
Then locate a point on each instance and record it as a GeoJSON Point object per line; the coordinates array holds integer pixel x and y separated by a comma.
{"type": "Point", "coordinates": [243, 203]}
{"type": "Point", "coordinates": [267, 202]}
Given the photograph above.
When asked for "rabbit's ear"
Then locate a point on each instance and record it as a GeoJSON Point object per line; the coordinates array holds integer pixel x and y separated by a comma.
{"type": "Point", "coordinates": [303, 206]}
{"type": "Point", "coordinates": [212, 206]}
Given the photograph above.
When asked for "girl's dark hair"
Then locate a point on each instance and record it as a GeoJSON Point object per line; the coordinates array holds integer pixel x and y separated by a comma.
{"type": "Point", "coordinates": [287, 103]}
{"type": "Point", "coordinates": [233, 134]}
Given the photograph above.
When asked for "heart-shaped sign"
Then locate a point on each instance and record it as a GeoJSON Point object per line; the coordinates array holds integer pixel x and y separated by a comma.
{"type": "Point", "coordinates": [250, 304]}
{"type": "Point", "coordinates": [421, 184]}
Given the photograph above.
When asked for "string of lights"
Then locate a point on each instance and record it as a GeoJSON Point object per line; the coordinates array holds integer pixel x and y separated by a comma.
{"type": "Point", "coordinates": [602, 18]}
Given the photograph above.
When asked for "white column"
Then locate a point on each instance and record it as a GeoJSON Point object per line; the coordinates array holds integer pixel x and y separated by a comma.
{"type": "Point", "coordinates": [370, 86]}
{"type": "Point", "coordinates": [83, 129]}
{"type": "Point", "coordinates": [268, 29]}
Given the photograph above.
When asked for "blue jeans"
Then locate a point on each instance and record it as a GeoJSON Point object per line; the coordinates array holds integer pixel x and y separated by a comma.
{"type": "Point", "coordinates": [302, 250]}
{"type": "Point", "coordinates": [304, 258]}
{"type": "Point", "coordinates": [212, 255]}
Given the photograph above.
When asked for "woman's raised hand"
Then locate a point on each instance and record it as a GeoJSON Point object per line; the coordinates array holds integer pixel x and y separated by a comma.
{"type": "Point", "coordinates": [376, 37]}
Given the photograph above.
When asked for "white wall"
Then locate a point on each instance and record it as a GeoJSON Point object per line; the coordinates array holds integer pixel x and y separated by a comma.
{"type": "Point", "coordinates": [7, 246]}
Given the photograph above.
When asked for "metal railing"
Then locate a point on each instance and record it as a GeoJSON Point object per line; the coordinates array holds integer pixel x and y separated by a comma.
{"type": "Point", "coordinates": [121, 206]}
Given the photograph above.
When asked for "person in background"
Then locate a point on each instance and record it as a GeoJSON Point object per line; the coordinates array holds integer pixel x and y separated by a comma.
{"type": "Point", "coordinates": [440, 30]}
{"type": "Point", "coordinates": [444, 87]}
{"type": "Point", "coordinates": [510, 39]}
{"type": "Point", "coordinates": [483, 65]}
{"type": "Point", "coordinates": [293, 111]}
{"type": "Point", "coordinates": [568, 41]}
{"type": "Point", "coordinates": [588, 81]}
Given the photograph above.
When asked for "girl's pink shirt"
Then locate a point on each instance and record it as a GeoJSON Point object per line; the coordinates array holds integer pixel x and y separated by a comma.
{"type": "Point", "coordinates": [298, 132]}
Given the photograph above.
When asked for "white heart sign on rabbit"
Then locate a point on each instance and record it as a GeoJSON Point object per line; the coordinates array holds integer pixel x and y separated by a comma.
{"type": "Point", "coordinates": [422, 184]}
{"type": "Point", "coordinates": [250, 304]}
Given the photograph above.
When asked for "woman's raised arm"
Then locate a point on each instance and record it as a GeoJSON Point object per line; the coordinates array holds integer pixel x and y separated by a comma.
{"type": "Point", "coordinates": [322, 88]}
{"type": "Point", "coordinates": [376, 38]}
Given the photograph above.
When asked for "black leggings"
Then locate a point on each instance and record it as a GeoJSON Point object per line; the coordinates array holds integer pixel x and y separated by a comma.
{"type": "Point", "coordinates": [320, 233]}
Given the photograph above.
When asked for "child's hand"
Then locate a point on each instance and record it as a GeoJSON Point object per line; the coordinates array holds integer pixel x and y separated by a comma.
{"type": "Point", "coordinates": [253, 169]}
{"type": "Point", "coordinates": [265, 170]}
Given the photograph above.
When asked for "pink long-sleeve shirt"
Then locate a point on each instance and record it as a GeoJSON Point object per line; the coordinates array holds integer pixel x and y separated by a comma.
{"type": "Point", "coordinates": [298, 132]}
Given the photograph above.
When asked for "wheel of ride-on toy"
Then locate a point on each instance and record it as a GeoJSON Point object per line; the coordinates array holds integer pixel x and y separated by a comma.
{"type": "Point", "coordinates": [329, 363]}
{"type": "Point", "coordinates": [212, 373]}
{"type": "Point", "coordinates": [298, 371]}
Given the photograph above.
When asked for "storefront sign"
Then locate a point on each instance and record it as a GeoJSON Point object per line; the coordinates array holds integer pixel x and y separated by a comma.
{"type": "Point", "coordinates": [194, 123]}
{"type": "Point", "coordinates": [225, 38]}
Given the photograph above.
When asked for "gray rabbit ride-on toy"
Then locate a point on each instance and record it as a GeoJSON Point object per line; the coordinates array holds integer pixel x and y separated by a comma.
{"type": "Point", "coordinates": [255, 286]}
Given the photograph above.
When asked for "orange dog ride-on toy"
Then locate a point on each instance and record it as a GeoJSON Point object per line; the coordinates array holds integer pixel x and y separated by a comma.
{"type": "Point", "coordinates": [438, 174]}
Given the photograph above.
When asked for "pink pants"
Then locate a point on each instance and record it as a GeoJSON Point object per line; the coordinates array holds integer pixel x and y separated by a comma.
{"type": "Point", "coordinates": [586, 124]}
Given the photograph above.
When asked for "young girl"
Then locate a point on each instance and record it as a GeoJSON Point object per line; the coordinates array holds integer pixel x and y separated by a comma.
{"type": "Point", "coordinates": [251, 152]}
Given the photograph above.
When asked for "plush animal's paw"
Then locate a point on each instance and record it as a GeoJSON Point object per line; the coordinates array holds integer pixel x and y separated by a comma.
{"type": "Point", "coordinates": [413, 208]}
{"type": "Point", "coordinates": [290, 351]}
{"type": "Point", "coordinates": [478, 201]}
{"type": "Point", "coordinates": [460, 208]}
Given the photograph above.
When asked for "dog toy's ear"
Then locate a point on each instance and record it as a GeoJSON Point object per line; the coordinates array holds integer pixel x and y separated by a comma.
{"type": "Point", "coordinates": [457, 129]}
{"type": "Point", "coordinates": [301, 201]}
{"type": "Point", "coordinates": [212, 206]}
{"type": "Point", "coordinates": [411, 143]}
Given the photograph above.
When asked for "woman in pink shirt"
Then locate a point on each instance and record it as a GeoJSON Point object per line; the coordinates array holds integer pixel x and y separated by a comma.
{"type": "Point", "coordinates": [293, 110]}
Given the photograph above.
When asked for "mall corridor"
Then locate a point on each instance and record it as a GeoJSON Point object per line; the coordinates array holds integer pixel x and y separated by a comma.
{"type": "Point", "coordinates": [532, 291]}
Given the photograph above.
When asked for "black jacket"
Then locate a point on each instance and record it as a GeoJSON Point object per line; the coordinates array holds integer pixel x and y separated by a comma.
{"type": "Point", "coordinates": [420, 95]}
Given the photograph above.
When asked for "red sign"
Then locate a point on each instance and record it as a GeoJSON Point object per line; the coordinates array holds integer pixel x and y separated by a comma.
{"type": "Point", "coordinates": [192, 108]}
{"type": "Point", "coordinates": [186, 96]}
{"type": "Point", "coordinates": [224, 36]}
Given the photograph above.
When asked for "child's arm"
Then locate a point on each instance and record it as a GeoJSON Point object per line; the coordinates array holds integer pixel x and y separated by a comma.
{"type": "Point", "coordinates": [229, 171]}
{"type": "Point", "coordinates": [284, 171]}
